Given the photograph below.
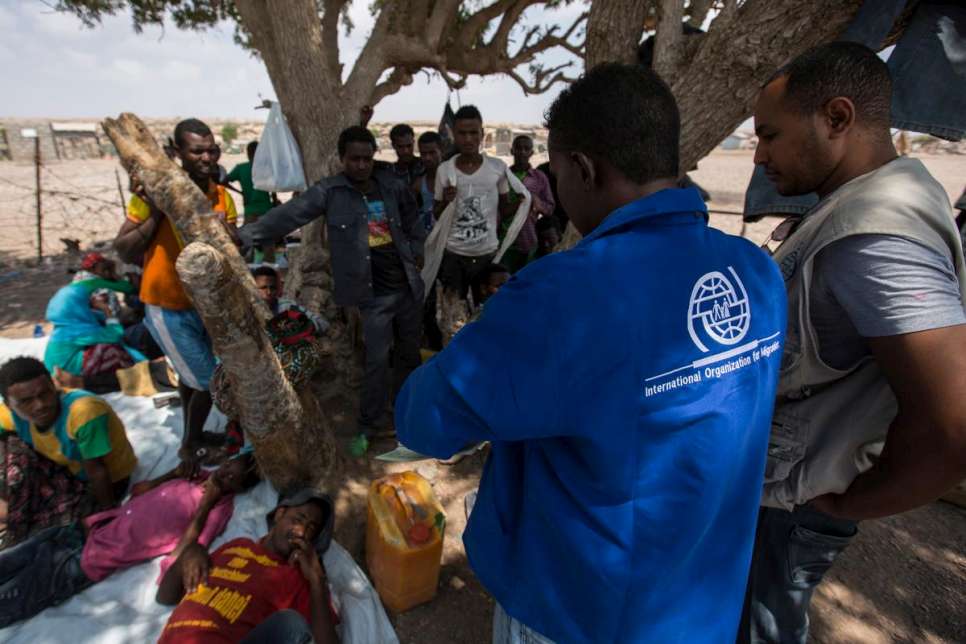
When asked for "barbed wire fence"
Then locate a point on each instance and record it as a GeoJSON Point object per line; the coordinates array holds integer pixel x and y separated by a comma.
{"type": "Point", "coordinates": [81, 207]}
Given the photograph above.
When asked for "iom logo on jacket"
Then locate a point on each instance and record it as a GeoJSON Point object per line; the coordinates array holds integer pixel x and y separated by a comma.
{"type": "Point", "coordinates": [719, 310]}
{"type": "Point", "coordinates": [718, 321]}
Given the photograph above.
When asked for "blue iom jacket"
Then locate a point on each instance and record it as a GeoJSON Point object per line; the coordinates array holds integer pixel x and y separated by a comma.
{"type": "Point", "coordinates": [627, 388]}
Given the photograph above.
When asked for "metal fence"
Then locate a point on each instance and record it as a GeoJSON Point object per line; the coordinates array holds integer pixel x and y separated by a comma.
{"type": "Point", "coordinates": [50, 209]}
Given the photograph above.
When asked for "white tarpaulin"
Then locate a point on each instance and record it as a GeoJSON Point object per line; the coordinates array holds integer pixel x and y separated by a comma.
{"type": "Point", "coordinates": [121, 609]}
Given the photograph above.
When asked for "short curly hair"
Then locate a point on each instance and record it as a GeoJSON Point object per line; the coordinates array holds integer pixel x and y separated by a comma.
{"type": "Point", "coordinates": [622, 113]}
{"type": "Point", "coordinates": [355, 134]}
{"type": "Point", "coordinates": [20, 369]}
{"type": "Point", "coordinates": [846, 69]}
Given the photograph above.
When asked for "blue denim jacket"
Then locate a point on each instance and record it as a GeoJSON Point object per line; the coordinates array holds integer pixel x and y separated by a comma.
{"type": "Point", "coordinates": [346, 217]}
{"type": "Point", "coordinates": [627, 387]}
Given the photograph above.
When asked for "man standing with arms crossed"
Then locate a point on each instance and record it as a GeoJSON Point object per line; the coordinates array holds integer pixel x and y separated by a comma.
{"type": "Point", "coordinates": [870, 418]}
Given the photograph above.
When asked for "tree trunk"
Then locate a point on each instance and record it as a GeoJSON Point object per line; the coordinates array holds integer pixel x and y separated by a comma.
{"type": "Point", "coordinates": [717, 88]}
{"type": "Point", "coordinates": [614, 28]}
{"type": "Point", "coordinates": [289, 37]}
{"type": "Point", "coordinates": [293, 443]}
{"type": "Point", "coordinates": [291, 437]}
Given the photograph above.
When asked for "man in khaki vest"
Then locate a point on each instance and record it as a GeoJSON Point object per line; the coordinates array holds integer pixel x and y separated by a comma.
{"type": "Point", "coordinates": [870, 417]}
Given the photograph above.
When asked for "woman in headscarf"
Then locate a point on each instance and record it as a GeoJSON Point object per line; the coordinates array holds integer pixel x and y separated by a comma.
{"type": "Point", "coordinates": [87, 346]}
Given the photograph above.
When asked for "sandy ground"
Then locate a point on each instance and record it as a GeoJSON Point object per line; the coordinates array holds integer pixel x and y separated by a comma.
{"type": "Point", "coordinates": [903, 579]}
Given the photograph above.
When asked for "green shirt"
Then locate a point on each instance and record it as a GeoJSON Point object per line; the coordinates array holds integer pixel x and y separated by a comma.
{"type": "Point", "coordinates": [257, 202]}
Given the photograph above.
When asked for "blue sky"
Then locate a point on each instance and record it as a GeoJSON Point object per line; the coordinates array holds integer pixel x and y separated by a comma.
{"type": "Point", "coordinates": [50, 65]}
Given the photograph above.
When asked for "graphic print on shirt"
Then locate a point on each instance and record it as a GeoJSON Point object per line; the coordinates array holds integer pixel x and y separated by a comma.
{"type": "Point", "coordinates": [718, 316]}
{"type": "Point", "coordinates": [470, 225]}
{"type": "Point", "coordinates": [379, 234]}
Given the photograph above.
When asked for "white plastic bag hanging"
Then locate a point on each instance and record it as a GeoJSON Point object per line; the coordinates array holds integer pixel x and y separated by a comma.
{"type": "Point", "coordinates": [277, 166]}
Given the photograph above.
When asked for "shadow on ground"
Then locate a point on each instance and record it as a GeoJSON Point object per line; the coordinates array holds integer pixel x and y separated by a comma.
{"type": "Point", "coordinates": [903, 579]}
{"type": "Point", "coordinates": [25, 288]}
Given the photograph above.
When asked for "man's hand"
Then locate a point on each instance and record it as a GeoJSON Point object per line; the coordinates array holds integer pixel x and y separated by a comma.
{"type": "Point", "coordinates": [449, 193]}
{"type": "Point", "coordinates": [190, 463]}
{"type": "Point", "coordinates": [212, 492]}
{"type": "Point", "coordinates": [308, 562]}
{"type": "Point", "coordinates": [828, 504]}
{"type": "Point", "coordinates": [100, 303]}
{"type": "Point", "coordinates": [194, 567]}
{"type": "Point", "coordinates": [187, 470]}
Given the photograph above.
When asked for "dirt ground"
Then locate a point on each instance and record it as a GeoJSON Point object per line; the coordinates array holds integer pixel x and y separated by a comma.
{"type": "Point", "coordinates": [903, 579]}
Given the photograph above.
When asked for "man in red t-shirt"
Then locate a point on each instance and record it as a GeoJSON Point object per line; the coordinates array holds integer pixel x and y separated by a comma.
{"type": "Point", "coordinates": [273, 590]}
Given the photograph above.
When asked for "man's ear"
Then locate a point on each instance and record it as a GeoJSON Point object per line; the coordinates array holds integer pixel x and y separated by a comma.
{"type": "Point", "coordinates": [587, 168]}
{"type": "Point", "coordinates": [839, 116]}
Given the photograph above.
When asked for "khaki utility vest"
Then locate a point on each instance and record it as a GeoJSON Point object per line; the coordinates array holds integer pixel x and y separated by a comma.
{"type": "Point", "coordinates": [829, 424]}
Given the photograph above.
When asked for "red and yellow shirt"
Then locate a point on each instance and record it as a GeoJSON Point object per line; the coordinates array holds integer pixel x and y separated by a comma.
{"type": "Point", "coordinates": [246, 584]}
{"type": "Point", "coordinates": [160, 284]}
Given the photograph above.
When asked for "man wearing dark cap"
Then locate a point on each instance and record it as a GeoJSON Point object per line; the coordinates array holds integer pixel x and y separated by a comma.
{"type": "Point", "coordinates": [273, 590]}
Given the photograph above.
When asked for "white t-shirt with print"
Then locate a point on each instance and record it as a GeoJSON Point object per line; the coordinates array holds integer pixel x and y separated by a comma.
{"type": "Point", "coordinates": [474, 231]}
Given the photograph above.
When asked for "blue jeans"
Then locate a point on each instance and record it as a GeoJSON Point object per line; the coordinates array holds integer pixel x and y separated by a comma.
{"type": "Point", "coordinates": [507, 630]}
{"type": "Point", "coordinates": [283, 627]}
{"type": "Point", "coordinates": [928, 66]}
{"type": "Point", "coordinates": [388, 321]}
{"type": "Point", "coordinates": [793, 551]}
{"type": "Point", "coordinates": [40, 572]}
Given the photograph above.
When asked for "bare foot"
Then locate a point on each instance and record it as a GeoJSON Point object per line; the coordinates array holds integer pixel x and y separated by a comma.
{"type": "Point", "coordinates": [68, 380]}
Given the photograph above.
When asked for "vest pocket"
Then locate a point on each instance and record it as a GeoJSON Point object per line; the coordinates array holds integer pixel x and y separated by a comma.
{"type": "Point", "coordinates": [786, 446]}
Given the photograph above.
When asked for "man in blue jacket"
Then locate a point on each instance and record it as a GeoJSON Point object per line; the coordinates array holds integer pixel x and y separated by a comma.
{"type": "Point", "coordinates": [626, 386]}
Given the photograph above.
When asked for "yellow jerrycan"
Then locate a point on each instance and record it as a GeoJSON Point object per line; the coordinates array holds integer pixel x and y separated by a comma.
{"type": "Point", "coordinates": [404, 540]}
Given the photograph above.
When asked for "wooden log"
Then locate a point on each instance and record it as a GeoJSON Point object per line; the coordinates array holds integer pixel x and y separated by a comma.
{"type": "Point", "coordinates": [173, 191]}
{"type": "Point", "coordinates": [293, 442]}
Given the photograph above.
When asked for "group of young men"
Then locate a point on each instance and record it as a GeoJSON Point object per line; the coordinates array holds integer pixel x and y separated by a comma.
{"type": "Point", "coordinates": [68, 463]}
{"type": "Point", "coordinates": [685, 429]}
{"type": "Point", "coordinates": [378, 216]}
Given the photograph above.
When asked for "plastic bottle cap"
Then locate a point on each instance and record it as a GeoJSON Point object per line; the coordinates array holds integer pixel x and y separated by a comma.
{"type": "Point", "coordinates": [419, 533]}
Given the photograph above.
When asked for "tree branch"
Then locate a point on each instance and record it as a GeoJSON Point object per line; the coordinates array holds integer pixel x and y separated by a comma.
{"type": "Point", "coordinates": [540, 83]}
{"type": "Point", "coordinates": [614, 29]}
{"type": "Point", "coordinates": [397, 79]}
{"type": "Point", "coordinates": [452, 83]}
{"type": "Point", "coordinates": [331, 10]}
{"type": "Point", "coordinates": [667, 40]}
{"type": "Point", "coordinates": [550, 40]}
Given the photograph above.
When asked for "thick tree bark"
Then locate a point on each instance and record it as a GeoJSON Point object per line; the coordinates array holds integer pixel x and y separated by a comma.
{"type": "Point", "coordinates": [302, 63]}
{"type": "Point", "coordinates": [717, 88]}
{"type": "Point", "coordinates": [176, 195]}
{"type": "Point", "coordinates": [614, 28]}
{"type": "Point", "coordinates": [293, 443]}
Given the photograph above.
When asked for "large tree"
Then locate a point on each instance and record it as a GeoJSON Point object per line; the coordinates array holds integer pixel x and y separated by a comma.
{"type": "Point", "coordinates": [715, 74]}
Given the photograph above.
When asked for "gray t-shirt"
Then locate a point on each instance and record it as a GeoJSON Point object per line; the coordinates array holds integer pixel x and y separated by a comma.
{"type": "Point", "coordinates": [867, 286]}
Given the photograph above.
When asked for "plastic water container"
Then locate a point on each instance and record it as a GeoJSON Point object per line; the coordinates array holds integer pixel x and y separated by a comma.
{"type": "Point", "coordinates": [404, 540]}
